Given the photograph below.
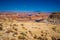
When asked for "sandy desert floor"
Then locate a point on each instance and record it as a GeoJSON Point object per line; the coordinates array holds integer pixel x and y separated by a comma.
{"type": "Point", "coordinates": [22, 30]}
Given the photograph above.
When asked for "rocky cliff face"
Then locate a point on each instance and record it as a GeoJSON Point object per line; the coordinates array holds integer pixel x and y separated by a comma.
{"type": "Point", "coordinates": [54, 18]}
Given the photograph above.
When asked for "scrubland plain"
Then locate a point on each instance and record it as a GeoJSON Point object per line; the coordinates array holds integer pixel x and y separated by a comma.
{"type": "Point", "coordinates": [28, 27]}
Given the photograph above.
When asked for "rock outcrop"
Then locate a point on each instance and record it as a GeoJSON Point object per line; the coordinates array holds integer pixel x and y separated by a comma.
{"type": "Point", "coordinates": [54, 18]}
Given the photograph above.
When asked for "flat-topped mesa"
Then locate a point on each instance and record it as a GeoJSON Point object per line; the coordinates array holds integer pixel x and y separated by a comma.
{"type": "Point", "coordinates": [23, 16]}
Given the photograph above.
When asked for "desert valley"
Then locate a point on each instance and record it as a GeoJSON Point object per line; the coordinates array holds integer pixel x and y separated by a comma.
{"type": "Point", "coordinates": [29, 26]}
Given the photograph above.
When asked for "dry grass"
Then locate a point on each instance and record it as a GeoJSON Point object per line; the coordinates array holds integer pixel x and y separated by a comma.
{"type": "Point", "coordinates": [19, 30]}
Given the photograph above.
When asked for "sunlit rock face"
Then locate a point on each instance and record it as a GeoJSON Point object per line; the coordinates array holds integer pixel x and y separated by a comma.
{"type": "Point", "coordinates": [24, 27]}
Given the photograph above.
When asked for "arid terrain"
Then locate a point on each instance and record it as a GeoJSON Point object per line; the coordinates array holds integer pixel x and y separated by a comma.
{"type": "Point", "coordinates": [29, 26]}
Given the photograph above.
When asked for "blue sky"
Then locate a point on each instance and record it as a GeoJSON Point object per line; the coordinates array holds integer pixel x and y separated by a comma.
{"type": "Point", "coordinates": [30, 5]}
